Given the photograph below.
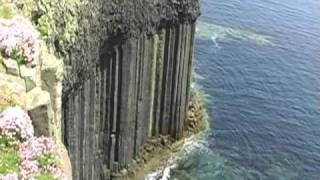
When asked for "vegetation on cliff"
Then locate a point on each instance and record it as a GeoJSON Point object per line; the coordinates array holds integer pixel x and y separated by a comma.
{"type": "Point", "coordinates": [19, 41]}
{"type": "Point", "coordinates": [22, 155]}
{"type": "Point", "coordinates": [80, 32]}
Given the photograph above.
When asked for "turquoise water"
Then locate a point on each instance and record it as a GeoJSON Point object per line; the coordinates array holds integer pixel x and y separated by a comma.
{"type": "Point", "coordinates": [258, 61]}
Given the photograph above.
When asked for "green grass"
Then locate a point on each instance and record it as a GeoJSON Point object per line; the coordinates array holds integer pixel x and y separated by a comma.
{"type": "Point", "coordinates": [45, 176]}
{"type": "Point", "coordinates": [46, 159]}
{"type": "Point", "coordinates": [5, 12]}
{"type": "Point", "coordinates": [9, 160]}
{"type": "Point", "coordinates": [4, 142]}
{"type": "Point", "coordinates": [19, 57]}
{"type": "Point", "coordinates": [44, 26]}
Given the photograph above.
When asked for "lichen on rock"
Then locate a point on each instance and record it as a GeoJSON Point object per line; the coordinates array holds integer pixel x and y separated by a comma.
{"type": "Point", "coordinates": [12, 91]}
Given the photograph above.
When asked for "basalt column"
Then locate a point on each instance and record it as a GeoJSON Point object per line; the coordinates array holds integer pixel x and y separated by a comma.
{"type": "Point", "coordinates": [133, 85]}
{"type": "Point", "coordinates": [139, 89]}
{"type": "Point", "coordinates": [173, 70]}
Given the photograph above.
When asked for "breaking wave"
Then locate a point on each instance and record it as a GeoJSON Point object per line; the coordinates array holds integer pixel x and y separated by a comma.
{"type": "Point", "coordinates": [191, 145]}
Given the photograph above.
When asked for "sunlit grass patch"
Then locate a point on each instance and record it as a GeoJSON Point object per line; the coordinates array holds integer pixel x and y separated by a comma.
{"type": "Point", "coordinates": [7, 11]}
{"type": "Point", "coordinates": [45, 176]}
{"type": "Point", "coordinates": [9, 160]}
{"type": "Point", "coordinates": [47, 159]}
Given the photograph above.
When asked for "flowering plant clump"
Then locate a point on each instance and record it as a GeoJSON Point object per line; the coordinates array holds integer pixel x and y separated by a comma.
{"type": "Point", "coordinates": [11, 176]}
{"type": "Point", "coordinates": [15, 123]}
{"type": "Point", "coordinates": [19, 40]}
{"type": "Point", "coordinates": [22, 155]}
{"type": "Point", "coordinates": [39, 156]}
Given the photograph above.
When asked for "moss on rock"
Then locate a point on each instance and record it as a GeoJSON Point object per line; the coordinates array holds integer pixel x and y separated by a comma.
{"type": "Point", "coordinates": [53, 18]}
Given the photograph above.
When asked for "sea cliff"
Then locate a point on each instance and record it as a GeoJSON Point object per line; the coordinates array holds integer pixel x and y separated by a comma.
{"type": "Point", "coordinates": [129, 79]}
{"type": "Point", "coordinates": [126, 76]}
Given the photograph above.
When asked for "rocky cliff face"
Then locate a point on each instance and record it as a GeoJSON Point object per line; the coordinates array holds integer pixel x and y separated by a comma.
{"type": "Point", "coordinates": [128, 79]}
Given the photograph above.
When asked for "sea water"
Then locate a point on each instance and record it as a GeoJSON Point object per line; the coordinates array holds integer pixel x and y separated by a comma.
{"type": "Point", "coordinates": [258, 62]}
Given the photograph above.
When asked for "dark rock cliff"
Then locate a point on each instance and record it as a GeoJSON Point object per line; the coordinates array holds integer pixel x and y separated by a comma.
{"type": "Point", "coordinates": [129, 77]}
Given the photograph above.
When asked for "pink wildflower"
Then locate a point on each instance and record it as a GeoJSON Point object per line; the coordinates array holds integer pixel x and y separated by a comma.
{"type": "Point", "coordinates": [15, 123]}
{"type": "Point", "coordinates": [28, 168]}
{"type": "Point", "coordinates": [17, 34]}
{"type": "Point", "coordinates": [57, 173]}
{"type": "Point", "coordinates": [11, 176]}
{"type": "Point", "coordinates": [34, 147]}
{"type": "Point", "coordinates": [31, 150]}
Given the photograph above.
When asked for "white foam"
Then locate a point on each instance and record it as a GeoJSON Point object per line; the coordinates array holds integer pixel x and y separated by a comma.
{"type": "Point", "coordinates": [214, 32]}
{"type": "Point", "coordinates": [190, 145]}
{"type": "Point", "coordinates": [214, 40]}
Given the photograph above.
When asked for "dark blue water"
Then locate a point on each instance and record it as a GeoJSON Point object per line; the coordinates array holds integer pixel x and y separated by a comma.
{"type": "Point", "coordinates": [260, 65]}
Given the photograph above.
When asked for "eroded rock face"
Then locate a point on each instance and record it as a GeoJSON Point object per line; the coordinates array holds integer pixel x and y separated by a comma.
{"type": "Point", "coordinates": [12, 91]}
{"type": "Point", "coordinates": [13, 83]}
{"type": "Point", "coordinates": [38, 90]}
{"type": "Point", "coordinates": [51, 80]}
{"type": "Point", "coordinates": [35, 84]}
{"type": "Point", "coordinates": [30, 77]}
{"type": "Point", "coordinates": [64, 163]}
{"type": "Point", "coordinates": [11, 66]}
{"type": "Point", "coordinates": [2, 68]}
{"type": "Point", "coordinates": [40, 110]}
{"type": "Point", "coordinates": [196, 117]}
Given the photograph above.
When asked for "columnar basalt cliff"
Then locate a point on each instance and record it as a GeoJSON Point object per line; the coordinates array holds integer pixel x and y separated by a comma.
{"type": "Point", "coordinates": [128, 79]}
{"type": "Point", "coordinates": [113, 76]}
